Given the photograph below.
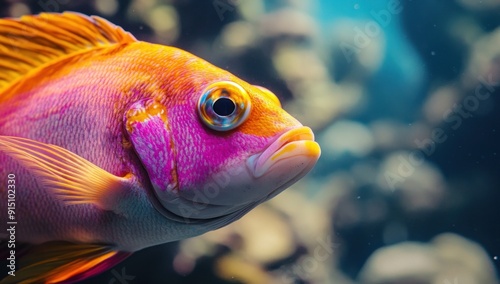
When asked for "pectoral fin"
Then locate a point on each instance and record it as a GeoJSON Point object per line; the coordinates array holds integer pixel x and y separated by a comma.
{"type": "Point", "coordinates": [57, 262]}
{"type": "Point", "coordinates": [69, 176]}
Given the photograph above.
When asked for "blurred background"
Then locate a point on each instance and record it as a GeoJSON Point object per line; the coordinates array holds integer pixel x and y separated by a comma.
{"type": "Point", "coordinates": [403, 97]}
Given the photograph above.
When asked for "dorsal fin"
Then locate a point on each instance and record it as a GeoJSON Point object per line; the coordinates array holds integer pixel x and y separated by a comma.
{"type": "Point", "coordinates": [32, 41]}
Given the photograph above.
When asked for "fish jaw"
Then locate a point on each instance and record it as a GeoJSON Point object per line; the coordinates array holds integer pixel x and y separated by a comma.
{"type": "Point", "coordinates": [296, 146]}
{"type": "Point", "coordinates": [258, 178]}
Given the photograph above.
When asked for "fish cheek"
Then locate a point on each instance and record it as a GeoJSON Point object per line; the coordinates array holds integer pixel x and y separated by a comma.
{"type": "Point", "coordinates": [149, 132]}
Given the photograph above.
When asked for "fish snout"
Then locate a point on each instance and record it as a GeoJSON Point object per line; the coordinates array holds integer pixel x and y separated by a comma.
{"type": "Point", "coordinates": [296, 147]}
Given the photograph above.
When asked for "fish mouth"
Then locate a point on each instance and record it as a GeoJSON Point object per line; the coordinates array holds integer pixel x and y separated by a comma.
{"type": "Point", "coordinates": [296, 146]}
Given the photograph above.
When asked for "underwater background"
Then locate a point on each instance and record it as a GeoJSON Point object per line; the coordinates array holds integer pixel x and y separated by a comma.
{"type": "Point", "coordinates": [403, 97]}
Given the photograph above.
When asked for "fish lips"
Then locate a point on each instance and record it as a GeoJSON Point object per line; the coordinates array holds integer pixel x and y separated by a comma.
{"type": "Point", "coordinates": [295, 147]}
{"type": "Point", "coordinates": [264, 175]}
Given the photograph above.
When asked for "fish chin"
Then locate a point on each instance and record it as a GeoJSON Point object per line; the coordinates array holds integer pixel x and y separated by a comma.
{"type": "Point", "coordinates": [227, 193]}
{"type": "Point", "coordinates": [261, 177]}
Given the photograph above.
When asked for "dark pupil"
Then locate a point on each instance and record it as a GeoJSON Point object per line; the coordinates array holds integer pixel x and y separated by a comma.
{"type": "Point", "coordinates": [224, 106]}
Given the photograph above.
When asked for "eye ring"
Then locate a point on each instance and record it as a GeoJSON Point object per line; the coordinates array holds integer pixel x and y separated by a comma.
{"type": "Point", "coordinates": [224, 105]}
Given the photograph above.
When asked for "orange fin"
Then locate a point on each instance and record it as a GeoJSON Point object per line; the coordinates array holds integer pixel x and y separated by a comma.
{"type": "Point", "coordinates": [33, 41]}
{"type": "Point", "coordinates": [70, 177]}
{"type": "Point", "coordinates": [57, 262]}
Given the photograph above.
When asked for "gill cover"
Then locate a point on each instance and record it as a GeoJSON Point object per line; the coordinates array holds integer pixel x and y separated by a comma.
{"type": "Point", "coordinates": [149, 131]}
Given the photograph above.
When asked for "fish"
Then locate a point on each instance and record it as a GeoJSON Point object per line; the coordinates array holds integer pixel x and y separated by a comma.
{"type": "Point", "coordinates": [109, 145]}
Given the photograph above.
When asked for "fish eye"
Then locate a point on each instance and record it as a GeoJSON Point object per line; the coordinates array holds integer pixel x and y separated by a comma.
{"type": "Point", "coordinates": [224, 106]}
